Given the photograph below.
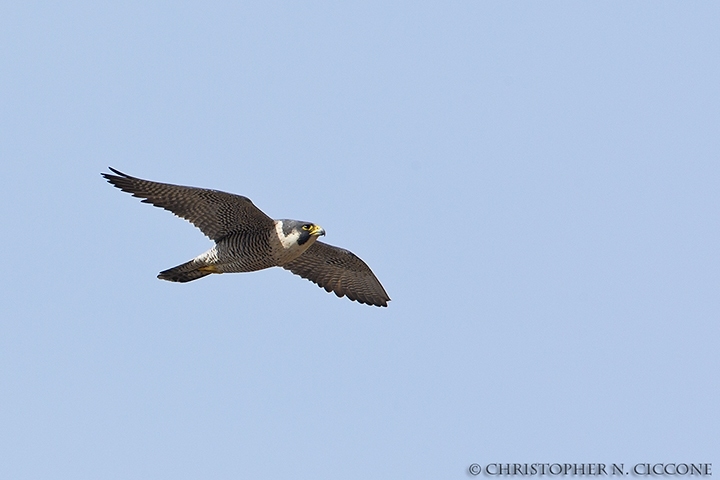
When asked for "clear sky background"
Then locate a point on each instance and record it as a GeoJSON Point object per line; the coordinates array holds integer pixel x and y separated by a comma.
{"type": "Point", "coordinates": [536, 184]}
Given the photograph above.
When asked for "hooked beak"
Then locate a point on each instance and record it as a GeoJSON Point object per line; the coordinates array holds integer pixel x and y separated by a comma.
{"type": "Point", "coordinates": [317, 231]}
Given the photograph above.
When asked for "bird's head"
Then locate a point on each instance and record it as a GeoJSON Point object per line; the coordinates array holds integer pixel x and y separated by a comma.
{"type": "Point", "coordinates": [303, 232]}
{"type": "Point", "coordinates": [309, 231]}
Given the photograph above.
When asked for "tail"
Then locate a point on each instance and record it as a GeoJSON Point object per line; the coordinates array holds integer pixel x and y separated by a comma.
{"type": "Point", "coordinates": [187, 272]}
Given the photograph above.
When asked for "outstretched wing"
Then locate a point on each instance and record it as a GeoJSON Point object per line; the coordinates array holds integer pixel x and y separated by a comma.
{"type": "Point", "coordinates": [340, 271]}
{"type": "Point", "coordinates": [215, 213]}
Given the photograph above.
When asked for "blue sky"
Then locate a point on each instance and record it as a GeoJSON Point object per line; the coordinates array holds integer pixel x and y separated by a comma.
{"type": "Point", "coordinates": [535, 184]}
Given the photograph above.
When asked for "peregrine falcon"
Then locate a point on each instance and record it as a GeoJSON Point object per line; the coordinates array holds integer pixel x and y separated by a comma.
{"type": "Point", "coordinates": [247, 240]}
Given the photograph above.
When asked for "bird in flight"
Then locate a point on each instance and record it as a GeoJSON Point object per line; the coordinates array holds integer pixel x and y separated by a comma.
{"type": "Point", "coordinates": [246, 240]}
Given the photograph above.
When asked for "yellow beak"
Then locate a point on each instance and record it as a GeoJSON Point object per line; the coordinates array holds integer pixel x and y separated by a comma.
{"type": "Point", "coordinates": [317, 231]}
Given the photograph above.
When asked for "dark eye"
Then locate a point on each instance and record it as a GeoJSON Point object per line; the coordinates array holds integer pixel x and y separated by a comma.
{"type": "Point", "coordinates": [306, 226]}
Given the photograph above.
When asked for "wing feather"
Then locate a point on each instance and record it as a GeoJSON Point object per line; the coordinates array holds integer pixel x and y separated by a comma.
{"type": "Point", "coordinates": [217, 214]}
{"type": "Point", "coordinates": [341, 271]}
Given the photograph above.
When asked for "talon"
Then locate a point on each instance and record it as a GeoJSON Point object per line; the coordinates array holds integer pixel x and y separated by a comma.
{"type": "Point", "coordinates": [209, 269]}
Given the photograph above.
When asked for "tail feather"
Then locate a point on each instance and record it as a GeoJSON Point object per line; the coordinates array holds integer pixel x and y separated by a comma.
{"type": "Point", "coordinates": [187, 272]}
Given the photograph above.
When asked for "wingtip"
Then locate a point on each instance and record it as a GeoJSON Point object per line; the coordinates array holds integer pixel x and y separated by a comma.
{"type": "Point", "coordinates": [117, 172]}
{"type": "Point", "coordinates": [377, 302]}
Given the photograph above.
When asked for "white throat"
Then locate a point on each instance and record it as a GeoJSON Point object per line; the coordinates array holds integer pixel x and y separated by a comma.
{"type": "Point", "coordinates": [287, 241]}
